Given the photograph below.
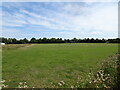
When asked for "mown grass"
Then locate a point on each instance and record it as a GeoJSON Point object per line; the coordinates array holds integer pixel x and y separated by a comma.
{"type": "Point", "coordinates": [46, 65]}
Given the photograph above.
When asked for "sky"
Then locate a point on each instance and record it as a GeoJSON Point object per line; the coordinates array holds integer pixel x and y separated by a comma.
{"type": "Point", "coordinates": [59, 19]}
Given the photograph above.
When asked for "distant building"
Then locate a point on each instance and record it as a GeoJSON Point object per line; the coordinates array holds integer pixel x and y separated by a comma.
{"type": "Point", "coordinates": [2, 43]}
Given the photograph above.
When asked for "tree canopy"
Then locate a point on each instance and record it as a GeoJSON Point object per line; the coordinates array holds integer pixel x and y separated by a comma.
{"type": "Point", "coordinates": [57, 40]}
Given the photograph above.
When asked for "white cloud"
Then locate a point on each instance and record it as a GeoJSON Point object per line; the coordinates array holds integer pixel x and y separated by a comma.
{"type": "Point", "coordinates": [101, 18]}
{"type": "Point", "coordinates": [14, 19]}
{"type": "Point", "coordinates": [60, 0]}
{"type": "Point", "coordinates": [94, 19]}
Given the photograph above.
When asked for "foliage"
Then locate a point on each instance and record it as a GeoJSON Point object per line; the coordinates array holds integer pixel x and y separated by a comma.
{"type": "Point", "coordinates": [58, 40]}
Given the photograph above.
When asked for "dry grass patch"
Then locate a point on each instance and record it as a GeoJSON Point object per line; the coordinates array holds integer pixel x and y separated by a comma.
{"type": "Point", "coordinates": [15, 46]}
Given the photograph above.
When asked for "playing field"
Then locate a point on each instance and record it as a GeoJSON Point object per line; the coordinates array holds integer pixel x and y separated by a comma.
{"type": "Point", "coordinates": [45, 65]}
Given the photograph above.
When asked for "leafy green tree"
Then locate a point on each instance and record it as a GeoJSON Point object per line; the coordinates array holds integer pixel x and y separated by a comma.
{"type": "Point", "coordinates": [4, 40]}
{"type": "Point", "coordinates": [33, 40]}
{"type": "Point", "coordinates": [39, 40]}
{"type": "Point", "coordinates": [75, 40]}
{"type": "Point", "coordinates": [44, 40]}
{"type": "Point", "coordinates": [14, 41]}
{"type": "Point", "coordinates": [25, 40]}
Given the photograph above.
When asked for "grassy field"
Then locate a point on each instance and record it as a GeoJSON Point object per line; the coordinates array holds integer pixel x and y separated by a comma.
{"type": "Point", "coordinates": [53, 65]}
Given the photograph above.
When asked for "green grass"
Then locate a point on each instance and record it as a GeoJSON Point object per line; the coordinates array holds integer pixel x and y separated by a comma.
{"type": "Point", "coordinates": [42, 64]}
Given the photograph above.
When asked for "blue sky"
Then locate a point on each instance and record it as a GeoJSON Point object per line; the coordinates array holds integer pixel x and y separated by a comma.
{"type": "Point", "coordinates": [59, 19]}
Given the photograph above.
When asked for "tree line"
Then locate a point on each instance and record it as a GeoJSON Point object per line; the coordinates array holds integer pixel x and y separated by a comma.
{"type": "Point", "coordinates": [57, 40]}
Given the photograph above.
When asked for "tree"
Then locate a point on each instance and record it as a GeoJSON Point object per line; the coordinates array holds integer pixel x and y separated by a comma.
{"type": "Point", "coordinates": [4, 40]}
{"type": "Point", "coordinates": [44, 40]}
{"type": "Point", "coordinates": [25, 40]}
{"type": "Point", "coordinates": [75, 40]}
{"type": "Point", "coordinates": [9, 41]}
{"type": "Point", "coordinates": [92, 40]}
{"type": "Point", "coordinates": [58, 40]}
{"type": "Point", "coordinates": [52, 40]}
{"type": "Point", "coordinates": [103, 40]}
{"type": "Point", "coordinates": [87, 40]}
{"type": "Point", "coordinates": [33, 40]}
{"type": "Point", "coordinates": [14, 41]}
{"type": "Point", "coordinates": [39, 40]}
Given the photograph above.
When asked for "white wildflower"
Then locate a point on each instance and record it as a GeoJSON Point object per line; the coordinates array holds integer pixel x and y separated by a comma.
{"type": "Point", "coordinates": [90, 82]}
{"type": "Point", "coordinates": [59, 84]}
{"type": "Point", "coordinates": [6, 86]}
{"type": "Point", "coordinates": [20, 83]}
{"type": "Point", "coordinates": [72, 87]}
{"type": "Point", "coordinates": [62, 82]}
{"type": "Point", "coordinates": [25, 86]}
{"type": "Point", "coordinates": [2, 81]}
